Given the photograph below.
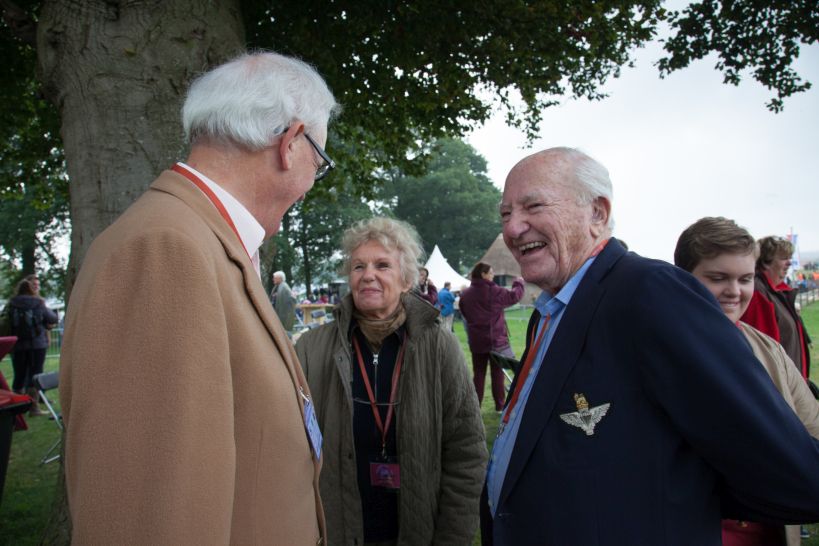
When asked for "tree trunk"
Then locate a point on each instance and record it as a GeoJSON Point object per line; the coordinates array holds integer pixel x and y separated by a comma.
{"type": "Point", "coordinates": [305, 256]}
{"type": "Point", "coordinates": [28, 255]}
{"type": "Point", "coordinates": [117, 71]}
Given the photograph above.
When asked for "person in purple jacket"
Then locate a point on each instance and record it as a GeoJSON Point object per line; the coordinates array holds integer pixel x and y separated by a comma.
{"type": "Point", "coordinates": [482, 306]}
{"type": "Point", "coordinates": [425, 288]}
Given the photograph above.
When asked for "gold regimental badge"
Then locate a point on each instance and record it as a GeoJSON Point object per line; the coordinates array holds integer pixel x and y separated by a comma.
{"type": "Point", "coordinates": [585, 418]}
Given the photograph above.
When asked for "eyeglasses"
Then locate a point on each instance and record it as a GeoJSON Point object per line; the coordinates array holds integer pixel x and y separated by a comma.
{"type": "Point", "coordinates": [328, 164]}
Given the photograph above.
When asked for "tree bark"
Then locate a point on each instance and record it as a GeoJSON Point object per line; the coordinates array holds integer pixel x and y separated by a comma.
{"type": "Point", "coordinates": [27, 255]}
{"type": "Point", "coordinates": [118, 71]}
{"type": "Point", "coordinates": [306, 264]}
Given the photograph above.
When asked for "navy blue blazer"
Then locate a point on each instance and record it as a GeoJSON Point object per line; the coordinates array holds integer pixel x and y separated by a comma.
{"type": "Point", "coordinates": [694, 425]}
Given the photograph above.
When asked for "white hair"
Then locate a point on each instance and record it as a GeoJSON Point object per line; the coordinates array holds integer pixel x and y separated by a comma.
{"type": "Point", "coordinates": [253, 98]}
{"type": "Point", "coordinates": [280, 274]}
{"type": "Point", "coordinates": [591, 179]}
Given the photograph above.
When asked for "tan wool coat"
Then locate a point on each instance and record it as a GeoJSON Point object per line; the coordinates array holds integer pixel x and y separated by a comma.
{"type": "Point", "coordinates": [180, 389]}
{"type": "Point", "coordinates": [440, 435]}
{"type": "Point", "coordinates": [785, 376]}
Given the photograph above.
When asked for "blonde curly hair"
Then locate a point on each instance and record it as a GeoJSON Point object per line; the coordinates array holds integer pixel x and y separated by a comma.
{"type": "Point", "coordinates": [391, 234]}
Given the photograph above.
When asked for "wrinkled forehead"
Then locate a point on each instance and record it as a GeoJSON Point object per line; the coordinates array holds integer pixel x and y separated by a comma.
{"type": "Point", "coordinates": [523, 192]}
{"type": "Point", "coordinates": [374, 249]}
{"type": "Point", "coordinates": [538, 176]}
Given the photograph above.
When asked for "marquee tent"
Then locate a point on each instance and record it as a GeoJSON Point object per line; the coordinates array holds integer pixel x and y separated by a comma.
{"type": "Point", "coordinates": [440, 271]}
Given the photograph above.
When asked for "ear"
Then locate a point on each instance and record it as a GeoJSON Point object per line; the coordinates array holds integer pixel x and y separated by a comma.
{"type": "Point", "coordinates": [287, 145]}
{"type": "Point", "coordinates": [601, 210]}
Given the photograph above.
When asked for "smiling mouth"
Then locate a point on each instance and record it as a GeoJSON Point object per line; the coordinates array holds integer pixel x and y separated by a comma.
{"type": "Point", "coordinates": [529, 247]}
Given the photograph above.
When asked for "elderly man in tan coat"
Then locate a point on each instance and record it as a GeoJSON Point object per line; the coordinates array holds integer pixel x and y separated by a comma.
{"type": "Point", "coordinates": [188, 418]}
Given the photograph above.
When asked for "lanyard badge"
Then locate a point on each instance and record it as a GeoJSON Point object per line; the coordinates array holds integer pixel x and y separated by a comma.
{"type": "Point", "coordinates": [311, 425]}
{"type": "Point", "coordinates": [385, 471]}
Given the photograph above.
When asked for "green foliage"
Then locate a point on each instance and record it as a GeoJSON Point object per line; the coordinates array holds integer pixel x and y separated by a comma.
{"type": "Point", "coordinates": [759, 36]}
{"type": "Point", "coordinates": [33, 184]}
{"type": "Point", "coordinates": [454, 206]}
{"type": "Point", "coordinates": [408, 73]}
{"type": "Point", "coordinates": [810, 316]}
{"type": "Point", "coordinates": [311, 236]}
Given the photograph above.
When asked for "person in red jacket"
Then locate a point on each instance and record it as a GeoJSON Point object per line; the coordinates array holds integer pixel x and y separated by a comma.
{"type": "Point", "coordinates": [772, 309]}
{"type": "Point", "coordinates": [482, 306]}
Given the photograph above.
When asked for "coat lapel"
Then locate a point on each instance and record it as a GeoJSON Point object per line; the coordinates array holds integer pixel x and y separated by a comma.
{"type": "Point", "coordinates": [178, 186]}
{"type": "Point", "coordinates": [561, 357]}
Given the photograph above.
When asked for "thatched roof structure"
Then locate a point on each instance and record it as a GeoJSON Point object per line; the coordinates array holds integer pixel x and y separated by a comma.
{"type": "Point", "coordinates": [501, 260]}
{"type": "Point", "coordinates": [506, 267]}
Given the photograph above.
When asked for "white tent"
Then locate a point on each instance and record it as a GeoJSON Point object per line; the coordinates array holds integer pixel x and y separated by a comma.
{"type": "Point", "coordinates": [440, 271]}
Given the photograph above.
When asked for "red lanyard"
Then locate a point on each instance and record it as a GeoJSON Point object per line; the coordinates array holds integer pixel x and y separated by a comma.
{"type": "Point", "coordinates": [382, 427]}
{"type": "Point", "coordinates": [524, 371]}
{"type": "Point", "coordinates": [533, 350]}
{"type": "Point", "coordinates": [213, 199]}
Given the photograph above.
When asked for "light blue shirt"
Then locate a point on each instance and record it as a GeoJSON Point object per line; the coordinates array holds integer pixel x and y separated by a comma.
{"type": "Point", "coordinates": [548, 306]}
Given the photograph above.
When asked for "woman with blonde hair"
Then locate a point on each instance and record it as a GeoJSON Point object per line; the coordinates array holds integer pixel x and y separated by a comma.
{"type": "Point", "coordinates": [404, 449]}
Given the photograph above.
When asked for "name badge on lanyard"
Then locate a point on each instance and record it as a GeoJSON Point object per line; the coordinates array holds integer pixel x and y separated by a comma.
{"type": "Point", "coordinates": [311, 425]}
{"type": "Point", "coordinates": [384, 470]}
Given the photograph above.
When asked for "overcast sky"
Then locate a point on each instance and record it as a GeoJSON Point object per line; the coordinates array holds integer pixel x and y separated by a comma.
{"type": "Point", "coordinates": [686, 147]}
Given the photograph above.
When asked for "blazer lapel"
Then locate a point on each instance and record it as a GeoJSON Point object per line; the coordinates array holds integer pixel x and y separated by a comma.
{"type": "Point", "coordinates": [561, 357]}
{"type": "Point", "coordinates": [178, 186]}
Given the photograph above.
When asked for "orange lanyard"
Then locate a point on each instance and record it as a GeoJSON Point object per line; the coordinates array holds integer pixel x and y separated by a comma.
{"type": "Point", "coordinates": [524, 371]}
{"type": "Point", "coordinates": [213, 199]}
{"type": "Point", "coordinates": [533, 350]}
{"type": "Point", "coordinates": [382, 427]}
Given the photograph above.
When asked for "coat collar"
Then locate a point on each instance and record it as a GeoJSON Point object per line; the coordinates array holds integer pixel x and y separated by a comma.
{"type": "Point", "coordinates": [560, 358]}
{"type": "Point", "coordinates": [178, 186]}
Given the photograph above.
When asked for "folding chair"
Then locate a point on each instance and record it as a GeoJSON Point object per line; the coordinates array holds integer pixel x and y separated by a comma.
{"type": "Point", "coordinates": [45, 382]}
{"type": "Point", "coordinates": [509, 366]}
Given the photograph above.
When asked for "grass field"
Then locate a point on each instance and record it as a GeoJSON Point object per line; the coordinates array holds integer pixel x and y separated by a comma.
{"type": "Point", "coordinates": [29, 485]}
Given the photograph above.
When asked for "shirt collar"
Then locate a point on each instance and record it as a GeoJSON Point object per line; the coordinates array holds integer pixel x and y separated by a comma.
{"type": "Point", "coordinates": [544, 303]}
{"type": "Point", "coordinates": [250, 230]}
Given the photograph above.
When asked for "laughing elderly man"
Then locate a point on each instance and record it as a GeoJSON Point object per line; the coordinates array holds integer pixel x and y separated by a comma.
{"type": "Point", "coordinates": [639, 416]}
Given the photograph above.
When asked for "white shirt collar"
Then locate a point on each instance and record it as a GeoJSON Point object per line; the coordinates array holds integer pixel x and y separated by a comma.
{"type": "Point", "coordinates": [251, 232]}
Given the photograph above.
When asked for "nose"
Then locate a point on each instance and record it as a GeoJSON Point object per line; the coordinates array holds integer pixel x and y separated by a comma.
{"type": "Point", "coordinates": [514, 225]}
{"type": "Point", "coordinates": [367, 275]}
{"type": "Point", "coordinates": [732, 288]}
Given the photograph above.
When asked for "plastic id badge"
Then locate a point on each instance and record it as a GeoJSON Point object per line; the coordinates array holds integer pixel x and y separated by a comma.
{"type": "Point", "coordinates": [385, 473]}
{"type": "Point", "coordinates": [311, 424]}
